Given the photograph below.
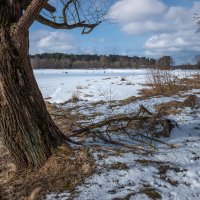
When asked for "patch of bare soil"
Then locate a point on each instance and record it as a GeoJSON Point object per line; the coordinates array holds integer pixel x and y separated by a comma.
{"type": "Point", "coordinates": [63, 171]}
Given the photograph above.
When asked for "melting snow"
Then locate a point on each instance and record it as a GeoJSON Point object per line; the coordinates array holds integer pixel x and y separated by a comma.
{"type": "Point", "coordinates": [174, 173]}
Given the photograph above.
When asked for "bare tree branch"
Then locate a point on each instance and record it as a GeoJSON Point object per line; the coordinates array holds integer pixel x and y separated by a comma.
{"type": "Point", "coordinates": [197, 19]}
{"type": "Point", "coordinates": [50, 8]}
{"type": "Point", "coordinates": [54, 25]}
{"type": "Point", "coordinates": [130, 130]}
{"type": "Point", "coordinates": [76, 14]}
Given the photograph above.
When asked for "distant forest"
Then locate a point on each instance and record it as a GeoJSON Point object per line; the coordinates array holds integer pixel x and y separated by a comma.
{"type": "Point", "coordinates": [71, 61]}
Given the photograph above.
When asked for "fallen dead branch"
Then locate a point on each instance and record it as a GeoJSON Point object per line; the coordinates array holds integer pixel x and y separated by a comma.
{"type": "Point", "coordinates": [137, 131]}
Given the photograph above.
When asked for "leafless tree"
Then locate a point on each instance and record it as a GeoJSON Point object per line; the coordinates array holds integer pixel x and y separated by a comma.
{"type": "Point", "coordinates": [25, 124]}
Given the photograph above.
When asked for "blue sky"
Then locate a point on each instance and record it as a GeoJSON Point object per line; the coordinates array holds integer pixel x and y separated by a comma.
{"type": "Point", "coordinates": [150, 28]}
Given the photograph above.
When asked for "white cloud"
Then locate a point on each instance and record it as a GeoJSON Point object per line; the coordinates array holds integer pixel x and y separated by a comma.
{"type": "Point", "coordinates": [129, 10]}
{"type": "Point", "coordinates": [100, 40]}
{"type": "Point", "coordinates": [43, 41]}
{"type": "Point", "coordinates": [136, 28]}
{"type": "Point", "coordinates": [172, 43]}
{"type": "Point", "coordinates": [150, 16]}
{"type": "Point", "coordinates": [52, 41]}
{"type": "Point", "coordinates": [172, 28]}
{"type": "Point", "coordinates": [138, 16]}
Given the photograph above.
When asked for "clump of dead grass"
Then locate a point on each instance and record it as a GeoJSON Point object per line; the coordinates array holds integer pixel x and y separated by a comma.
{"type": "Point", "coordinates": [75, 98]}
{"type": "Point", "coordinates": [191, 101]}
{"type": "Point", "coordinates": [163, 168]}
{"type": "Point", "coordinates": [129, 100]}
{"type": "Point", "coordinates": [164, 82]}
{"type": "Point", "coordinates": [118, 166]}
{"type": "Point", "coordinates": [151, 192]}
{"type": "Point", "coordinates": [63, 118]}
{"type": "Point", "coordinates": [147, 190]}
{"type": "Point", "coordinates": [60, 173]}
{"type": "Point", "coordinates": [172, 107]}
{"type": "Point", "coordinates": [98, 103]}
{"type": "Point", "coordinates": [166, 90]}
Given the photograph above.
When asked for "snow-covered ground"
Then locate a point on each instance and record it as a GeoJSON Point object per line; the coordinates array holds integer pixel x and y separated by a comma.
{"type": "Point", "coordinates": [110, 84]}
{"type": "Point", "coordinates": [61, 85]}
{"type": "Point", "coordinates": [181, 180]}
{"type": "Point", "coordinates": [168, 174]}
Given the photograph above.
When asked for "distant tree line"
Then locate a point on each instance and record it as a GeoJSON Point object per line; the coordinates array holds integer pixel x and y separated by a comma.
{"type": "Point", "coordinates": [72, 61]}
{"type": "Point", "coordinates": [65, 61]}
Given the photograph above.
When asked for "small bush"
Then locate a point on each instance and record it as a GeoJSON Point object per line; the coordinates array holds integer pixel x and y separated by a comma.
{"type": "Point", "coordinates": [75, 98]}
{"type": "Point", "coordinates": [162, 82]}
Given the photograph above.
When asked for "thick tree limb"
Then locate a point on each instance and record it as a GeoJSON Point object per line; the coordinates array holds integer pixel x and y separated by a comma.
{"type": "Point", "coordinates": [30, 15]}
{"type": "Point", "coordinates": [47, 6]}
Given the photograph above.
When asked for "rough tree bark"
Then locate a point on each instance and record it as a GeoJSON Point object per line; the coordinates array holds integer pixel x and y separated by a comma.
{"type": "Point", "coordinates": [25, 125]}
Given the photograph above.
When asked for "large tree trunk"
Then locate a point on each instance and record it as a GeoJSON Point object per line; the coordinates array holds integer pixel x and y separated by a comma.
{"type": "Point", "coordinates": [27, 129]}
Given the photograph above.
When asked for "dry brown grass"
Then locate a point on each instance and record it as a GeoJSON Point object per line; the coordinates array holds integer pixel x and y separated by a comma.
{"type": "Point", "coordinates": [63, 118]}
{"type": "Point", "coordinates": [168, 108]}
{"type": "Point", "coordinates": [163, 168]}
{"type": "Point", "coordinates": [172, 107]}
{"type": "Point", "coordinates": [129, 100]}
{"type": "Point", "coordinates": [118, 166]}
{"type": "Point", "coordinates": [192, 83]}
{"type": "Point", "coordinates": [167, 90]}
{"type": "Point", "coordinates": [60, 173]}
{"type": "Point", "coordinates": [162, 82]}
{"type": "Point", "coordinates": [164, 89]}
{"type": "Point", "coordinates": [151, 192]}
{"type": "Point", "coordinates": [75, 98]}
{"type": "Point", "coordinates": [63, 171]}
{"type": "Point", "coordinates": [148, 190]}
{"type": "Point", "coordinates": [191, 101]}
